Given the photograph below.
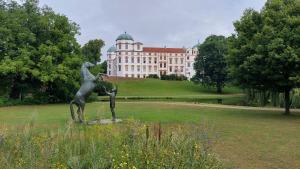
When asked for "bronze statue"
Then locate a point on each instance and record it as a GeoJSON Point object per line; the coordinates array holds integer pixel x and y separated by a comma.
{"type": "Point", "coordinates": [112, 101]}
{"type": "Point", "coordinates": [87, 86]}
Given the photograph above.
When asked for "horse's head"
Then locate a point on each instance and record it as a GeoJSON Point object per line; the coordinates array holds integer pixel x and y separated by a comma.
{"type": "Point", "coordinates": [88, 64]}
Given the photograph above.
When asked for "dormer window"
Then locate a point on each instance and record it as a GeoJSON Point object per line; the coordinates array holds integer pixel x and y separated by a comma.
{"type": "Point", "coordinates": [138, 46]}
{"type": "Point", "coordinates": [126, 46]}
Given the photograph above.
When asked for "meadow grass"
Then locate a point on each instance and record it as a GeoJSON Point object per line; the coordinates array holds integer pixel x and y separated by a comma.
{"type": "Point", "coordinates": [130, 145]}
{"type": "Point", "coordinates": [246, 138]}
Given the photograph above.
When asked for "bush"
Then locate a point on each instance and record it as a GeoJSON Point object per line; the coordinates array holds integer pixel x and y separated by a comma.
{"type": "Point", "coordinates": [128, 145]}
{"type": "Point", "coordinates": [153, 76]}
{"type": "Point", "coordinates": [99, 87]}
{"type": "Point", "coordinates": [173, 77]}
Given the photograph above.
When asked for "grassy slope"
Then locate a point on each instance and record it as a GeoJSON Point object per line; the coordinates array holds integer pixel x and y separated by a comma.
{"type": "Point", "coordinates": [154, 87]}
{"type": "Point", "coordinates": [247, 139]}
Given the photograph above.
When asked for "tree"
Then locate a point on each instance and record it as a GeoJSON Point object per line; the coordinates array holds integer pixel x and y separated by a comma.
{"type": "Point", "coordinates": [92, 50]}
{"type": "Point", "coordinates": [210, 65]}
{"type": "Point", "coordinates": [38, 51]}
{"type": "Point", "coordinates": [264, 52]}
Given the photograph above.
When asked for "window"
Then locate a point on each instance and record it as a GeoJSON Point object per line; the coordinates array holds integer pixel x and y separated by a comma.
{"type": "Point", "coordinates": [138, 75]}
{"type": "Point", "coordinates": [138, 59]}
{"type": "Point", "coordinates": [155, 60]}
{"type": "Point", "coordinates": [132, 68]}
{"type": "Point", "coordinates": [160, 65]}
{"type": "Point", "coordinates": [155, 68]}
{"type": "Point", "coordinates": [150, 68]}
{"type": "Point", "coordinates": [120, 60]}
{"type": "Point", "coordinates": [138, 53]}
{"type": "Point", "coordinates": [119, 46]}
{"type": "Point", "coordinates": [188, 58]}
{"type": "Point", "coordinates": [181, 60]}
{"type": "Point", "coordinates": [132, 59]}
{"type": "Point", "coordinates": [181, 68]}
{"type": "Point", "coordinates": [109, 73]}
{"type": "Point", "coordinates": [144, 68]}
{"type": "Point", "coordinates": [170, 60]}
{"type": "Point", "coordinates": [165, 58]}
{"type": "Point", "coordinates": [150, 60]}
{"type": "Point", "coordinates": [189, 64]}
{"type": "Point", "coordinates": [119, 67]}
{"type": "Point", "coordinates": [126, 46]}
{"type": "Point", "coordinates": [126, 75]}
{"type": "Point", "coordinates": [170, 68]}
{"type": "Point", "coordinates": [144, 60]}
{"type": "Point", "coordinates": [126, 67]}
{"type": "Point", "coordinates": [138, 68]}
{"type": "Point", "coordinates": [126, 59]}
{"type": "Point", "coordinates": [109, 66]}
{"type": "Point", "coordinates": [165, 65]}
{"type": "Point", "coordinates": [126, 53]}
{"type": "Point", "coordinates": [138, 46]}
{"type": "Point", "coordinates": [176, 60]}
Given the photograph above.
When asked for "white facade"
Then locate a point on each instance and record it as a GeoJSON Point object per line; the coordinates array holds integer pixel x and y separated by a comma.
{"type": "Point", "coordinates": [131, 59]}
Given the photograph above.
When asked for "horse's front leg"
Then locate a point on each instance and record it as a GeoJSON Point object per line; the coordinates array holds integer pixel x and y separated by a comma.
{"type": "Point", "coordinates": [82, 118]}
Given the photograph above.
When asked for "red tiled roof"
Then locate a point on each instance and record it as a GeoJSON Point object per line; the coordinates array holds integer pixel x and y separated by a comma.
{"type": "Point", "coordinates": [164, 50]}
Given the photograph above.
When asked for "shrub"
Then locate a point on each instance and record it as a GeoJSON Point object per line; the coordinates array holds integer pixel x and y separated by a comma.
{"type": "Point", "coordinates": [99, 87]}
{"type": "Point", "coordinates": [153, 76]}
{"type": "Point", "coordinates": [173, 77]}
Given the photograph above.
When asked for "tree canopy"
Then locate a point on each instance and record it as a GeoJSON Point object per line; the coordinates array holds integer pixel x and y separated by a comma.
{"type": "Point", "coordinates": [210, 64]}
{"type": "Point", "coordinates": [38, 51]}
{"type": "Point", "coordinates": [92, 50]}
{"type": "Point", "coordinates": [264, 53]}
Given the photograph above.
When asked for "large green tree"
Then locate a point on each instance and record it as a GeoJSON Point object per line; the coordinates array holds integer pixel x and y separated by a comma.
{"type": "Point", "coordinates": [265, 51]}
{"type": "Point", "coordinates": [92, 50]}
{"type": "Point", "coordinates": [38, 51]}
{"type": "Point", "coordinates": [210, 65]}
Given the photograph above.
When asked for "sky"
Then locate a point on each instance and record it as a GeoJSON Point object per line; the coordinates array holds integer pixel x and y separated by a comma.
{"type": "Point", "coordinates": [155, 23]}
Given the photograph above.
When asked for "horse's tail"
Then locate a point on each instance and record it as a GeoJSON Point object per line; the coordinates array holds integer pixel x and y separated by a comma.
{"type": "Point", "coordinates": [72, 110]}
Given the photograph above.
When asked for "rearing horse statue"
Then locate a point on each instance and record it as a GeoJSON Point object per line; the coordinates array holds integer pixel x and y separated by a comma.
{"type": "Point", "coordinates": [86, 88]}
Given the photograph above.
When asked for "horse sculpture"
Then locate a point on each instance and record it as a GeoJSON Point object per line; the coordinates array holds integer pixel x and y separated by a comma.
{"type": "Point", "coordinates": [86, 88]}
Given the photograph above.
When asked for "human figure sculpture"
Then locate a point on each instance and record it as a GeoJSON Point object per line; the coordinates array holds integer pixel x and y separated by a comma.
{"type": "Point", "coordinates": [87, 86]}
{"type": "Point", "coordinates": [112, 101]}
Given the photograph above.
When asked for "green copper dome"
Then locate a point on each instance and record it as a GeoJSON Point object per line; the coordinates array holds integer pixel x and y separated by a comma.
{"type": "Point", "coordinates": [124, 36]}
{"type": "Point", "coordinates": [112, 49]}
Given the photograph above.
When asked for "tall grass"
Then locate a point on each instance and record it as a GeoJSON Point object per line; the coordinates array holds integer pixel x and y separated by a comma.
{"type": "Point", "coordinates": [127, 145]}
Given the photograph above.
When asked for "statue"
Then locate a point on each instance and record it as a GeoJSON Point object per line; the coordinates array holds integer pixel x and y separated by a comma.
{"type": "Point", "coordinates": [87, 86]}
{"type": "Point", "coordinates": [112, 101]}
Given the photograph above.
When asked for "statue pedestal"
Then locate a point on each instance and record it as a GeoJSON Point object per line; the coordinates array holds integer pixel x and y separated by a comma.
{"type": "Point", "coordinates": [103, 121]}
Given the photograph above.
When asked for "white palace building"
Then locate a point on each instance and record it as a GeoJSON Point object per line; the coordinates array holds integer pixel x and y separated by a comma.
{"type": "Point", "coordinates": [128, 58]}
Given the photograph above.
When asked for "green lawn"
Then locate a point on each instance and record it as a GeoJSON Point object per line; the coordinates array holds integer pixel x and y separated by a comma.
{"type": "Point", "coordinates": [246, 139]}
{"type": "Point", "coordinates": [155, 87]}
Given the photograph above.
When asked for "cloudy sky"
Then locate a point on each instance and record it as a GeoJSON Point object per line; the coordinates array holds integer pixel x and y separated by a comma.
{"type": "Point", "coordinates": [174, 23]}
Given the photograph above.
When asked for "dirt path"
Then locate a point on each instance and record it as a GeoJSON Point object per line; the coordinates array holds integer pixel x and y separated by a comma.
{"type": "Point", "coordinates": [218, 106]}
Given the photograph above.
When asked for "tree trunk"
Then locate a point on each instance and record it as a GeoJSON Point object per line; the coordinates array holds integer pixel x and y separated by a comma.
{"type": "Point", "coordinates": [287, 101]}
{"type": "Point", "coordinates": [219, 88]}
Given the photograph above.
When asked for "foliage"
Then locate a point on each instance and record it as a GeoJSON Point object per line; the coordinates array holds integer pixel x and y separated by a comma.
{"type": "Point", "coordinates": [39, 53]}
{"type": "Point", "coordinates": [99, 87]}
{"type": "Point", "coordinates": [210, 65]}
{"type": "Point", "coordinates": [264, 53]}
{"type": "Point", "coordinates": [130, 145]}
{"type": "Point", "coordinates": [104, 67]}
{"type": "Point", "coordinates": [173, 77]}
{"type": "Point", "coordinates": [92, 50]}
{"type": "Point", "coordinates": [153, 76]}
